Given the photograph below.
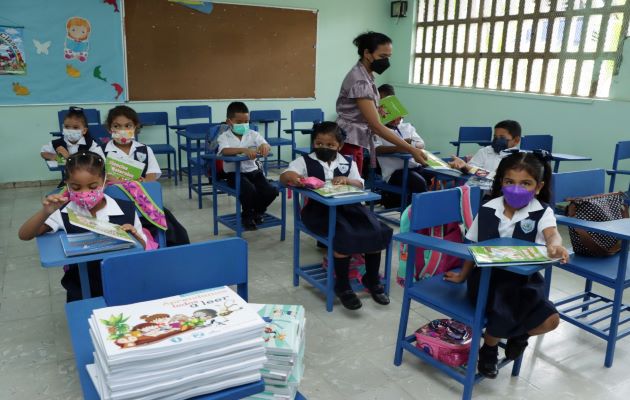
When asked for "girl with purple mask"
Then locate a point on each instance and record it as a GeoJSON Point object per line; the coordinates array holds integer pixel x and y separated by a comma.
{"type": "Point", "coordinates": [517, 307]}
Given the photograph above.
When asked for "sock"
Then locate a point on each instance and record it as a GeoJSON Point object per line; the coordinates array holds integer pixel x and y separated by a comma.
{"type": "Point", "coordinates": [342, 281]}
{"type": "Point", "coordinates": [372, 265]}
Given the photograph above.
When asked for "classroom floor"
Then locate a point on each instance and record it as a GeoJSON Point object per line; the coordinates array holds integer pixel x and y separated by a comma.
{"type": "Point", "coordinates": [349, 355]}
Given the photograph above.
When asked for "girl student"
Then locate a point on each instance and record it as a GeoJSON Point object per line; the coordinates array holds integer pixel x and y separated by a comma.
{"type": "Point", "coordinates": [357, 229]}
{"type": "Point", "coordinates": [517, 306]}
{"type": "Point", "coordinates": [75, 137]}
{"type": "Point", "coordinates": [85, 179]}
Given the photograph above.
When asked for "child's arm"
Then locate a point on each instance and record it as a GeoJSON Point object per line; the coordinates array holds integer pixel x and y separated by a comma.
{"type": "Point", "coordinates": [555, 249]}
{"type": "Point", "coordinates": [291, 178]}
{"type": "Point", "coordinates": [62, 152]}
{"type": "Point", "coordinates": [49, 156]}
{"type": "Point", "coordinates": [344, 180]}
{"type": "Point", "coordinates": [130, 228]}
{"type": "Point", "coordinates": [235, 151]}
{"type": "Point", "coordinates": [149, 178]}
{"type": "Point", "coordinates": [36, 225]}
{"type": "Point", "coordinates": [461, 276]}
{"type": "Point", "coordinates": [391, 149]}
{"type": "Point", "coordinates": [263, 147]}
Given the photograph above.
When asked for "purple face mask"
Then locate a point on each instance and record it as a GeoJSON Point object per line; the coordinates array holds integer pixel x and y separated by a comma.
{"type": "Point", "coordinates": [517, 196]}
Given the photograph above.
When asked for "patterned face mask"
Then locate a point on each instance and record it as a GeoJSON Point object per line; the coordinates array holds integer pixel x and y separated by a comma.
{"type": "Point", "coordinates": [123, 136]}
{"type": "Point", "coordinates": [89, 199]}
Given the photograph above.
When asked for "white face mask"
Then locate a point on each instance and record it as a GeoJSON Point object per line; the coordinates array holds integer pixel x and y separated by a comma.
{"type": "Point", "coordinates": [72, 135]}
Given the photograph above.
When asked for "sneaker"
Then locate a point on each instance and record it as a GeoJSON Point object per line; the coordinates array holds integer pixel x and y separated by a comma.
{"type": "Point", "coordinates": [349, 299]}
{"type": "Point", "coordinates": [516, 346]}
{"type": "Point", "coordinates": [488, 362]}
{"type": "Point", "coordinates": [249, 225]}
{"type": "Point", "coordinates": [377, 291]}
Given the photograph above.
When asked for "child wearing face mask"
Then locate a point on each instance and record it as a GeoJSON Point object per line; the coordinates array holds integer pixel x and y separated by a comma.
{"type": "Point", "coordinates": [507, 136]}
{"type": "Point", "coordinates": [357, 230]}
{"type": "Point", "coordinates": [123, 124]}
{"type": "Point", "coordinates": [256, 191]}
{"type": "Point", "coordinates": [75, 137]}
{"type": "Point", "coordinates": [517, 307]}
{"type": "Point", "coordinates": [85, 178]}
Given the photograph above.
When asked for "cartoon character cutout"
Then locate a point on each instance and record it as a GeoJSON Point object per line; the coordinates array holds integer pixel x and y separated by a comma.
{"type": "Point", "coordinates": [77, 44]}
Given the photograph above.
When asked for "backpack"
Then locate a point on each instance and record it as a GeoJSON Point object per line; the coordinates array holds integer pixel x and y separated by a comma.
{"type": "Point", "coordinates": [446, 340]}
{"type": "Point", "coordinates": [429, 262]}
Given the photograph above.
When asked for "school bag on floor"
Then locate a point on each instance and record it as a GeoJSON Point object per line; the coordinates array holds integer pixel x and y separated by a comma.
{"type": "Point", "coordinates": [429, 262]}
{"type": "Point", "coordinates": [446, 340]}
{"type": "Point", "coordinates": [600, 207]}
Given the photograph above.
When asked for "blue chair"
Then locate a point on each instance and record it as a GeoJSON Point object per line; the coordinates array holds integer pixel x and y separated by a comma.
{"type": "Point", "coordinates": [154, 190]}
{"type": "Point", "coordinates": [151, 276]}
{"type": "Point", "coordinates": [378, 184]}
{"type": "Point", "coordinates": [183, 115]}
{"type": "Point", "coordinates": [197, 164]}
{"type": "Point", "coordinates": [537, 142]}
{"type": "Point", "coordinates": [300, 116]}
{"type": "Point", "coordinates": [588, 310]}
{"type": "Point", "coordinates": [622, 152]}
{"type": "Point", "coordinates": [158, 119]}
{"type": "Point", "coordinates": [470, 134]}
{"type": "Point", "coordinates": [267, 117]}
{"type": "Point", "coordinates": [92, 114]}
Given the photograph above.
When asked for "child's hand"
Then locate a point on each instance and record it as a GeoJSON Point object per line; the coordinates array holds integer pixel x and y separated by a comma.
{"type": "Point", "coordinates": [381, 111]}
{"type": "Point", "coordinates": [250, 153]}
{"type": "Point", "coordinates": [295, 180]}
{"type": "Point", "coordinates": [457, 163]}
{"type": "Point", "coordinates": [340, 180]}
{"type": "Point", "coordinates": [129, 228]}
{"type": "Point", "coordinates": [455, 277]}
{"type": "Point", "coordinates": [62, 152]}
{"type": "Point", "coordinates": [53, 202]}
{"type": "Point", "coordinates": [264, 149]}
{"type": "Point", "coordinates": [558, 252]}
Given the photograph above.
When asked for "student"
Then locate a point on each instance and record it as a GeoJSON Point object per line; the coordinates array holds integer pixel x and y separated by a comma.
{"type": "Point", "coordinates": [392, 167]}
{"type": "Point", "coordinates": [256, 192]}
{"type": "Point", "coordinates": [74, 138]}
{"type": "Point", "coordinates": [507, 136]}
{"type": "Point", "coordinates": [123, 123]}
{"type": "Point", "coordinates": [357, 230]}
{"type": "Point", "coordinates": [85, 177]}
{"type": "Point", "coordinates": [517, 307]}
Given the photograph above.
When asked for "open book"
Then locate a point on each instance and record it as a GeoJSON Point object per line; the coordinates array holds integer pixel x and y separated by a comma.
{"type": "Point", "coordinates": [78, 244]}
{"type": "Point", "coordinates": [393, 109]}
{"type": "Point", "coordinates": [437, 163]}
{"type": "Point", "coordinates": [121, 167]}
{"type": "Point", "coordinates": [101, 227]}
{"type": "Point", "coordinates": [330, 190]}
{"type": "Point", "coordinates": [503, 256]}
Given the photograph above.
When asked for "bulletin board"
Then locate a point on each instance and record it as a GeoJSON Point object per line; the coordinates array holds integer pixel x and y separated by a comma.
{"type": "Point", "coordinates": [234, 52]}
{"type": "Point", "coordinates": [72, 51]}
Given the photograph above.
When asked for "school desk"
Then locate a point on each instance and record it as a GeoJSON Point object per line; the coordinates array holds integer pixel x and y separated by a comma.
{"type": "Point", "coordinates": [182, 132]}
{"type": "Point", "coordinates": [558, 157]}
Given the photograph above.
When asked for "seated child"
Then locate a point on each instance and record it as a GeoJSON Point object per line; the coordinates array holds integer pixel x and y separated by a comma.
{"type": "Point", "coordinates": [358, 230]}
{"type": "Point", "coordinates": [507, 136]}
{"type": "Point", "coordinates": [123, 123]}
{"type": "Point", "coordinates": [75, 137]}
{"type": "Point", "coordinates": [391, 167]}
{"type": "Point", "coordinates": [256, 191]}
{"type": "Point", "coordinates": [85, 177]}
{"type": "Point", "coordinates": [517, 307]}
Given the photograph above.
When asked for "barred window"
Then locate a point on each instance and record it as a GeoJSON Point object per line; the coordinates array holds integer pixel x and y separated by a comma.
{"type": "Point", "coordinates": [556, 47]}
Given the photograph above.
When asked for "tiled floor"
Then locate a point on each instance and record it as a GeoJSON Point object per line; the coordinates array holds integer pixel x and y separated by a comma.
{"type": "Point", "coordinates": [349, 355]}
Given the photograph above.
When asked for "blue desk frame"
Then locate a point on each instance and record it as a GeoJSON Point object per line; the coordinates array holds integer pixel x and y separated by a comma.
{"type": "Point", "coordinates": [558, 157]}
{"type": "Point", "coordinates": [277, 142]}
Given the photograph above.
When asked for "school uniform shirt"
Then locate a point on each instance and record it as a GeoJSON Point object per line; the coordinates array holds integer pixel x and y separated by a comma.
{"type": "Point", "coordinates": [506, 226]}
{"type": "Point", "coordinates": [229, 140]}
{"type": "Point", "coordinates": [151, 162]}
{"type": "Point", "coordinates": [391, 164]}
{"type": "Point", "coordinates": [55, 220]}
{"type": "Point", "coordinates": [486, 158]}
{"type": "Point", "coordinates": [73, 147]}
{"type": "Point", "coordinates": [299, 166]}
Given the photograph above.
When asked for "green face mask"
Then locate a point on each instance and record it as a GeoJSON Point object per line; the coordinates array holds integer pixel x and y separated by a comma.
{"type": "Point", "coordinates": [240, 129]}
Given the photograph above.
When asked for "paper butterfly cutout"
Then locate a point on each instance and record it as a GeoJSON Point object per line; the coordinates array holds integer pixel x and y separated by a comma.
{"type": "Point", "coordinates": [42, 48]}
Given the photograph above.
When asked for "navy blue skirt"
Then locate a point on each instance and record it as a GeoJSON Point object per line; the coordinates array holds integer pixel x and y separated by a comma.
{"type": "Point", "coordinates": [357, 229]}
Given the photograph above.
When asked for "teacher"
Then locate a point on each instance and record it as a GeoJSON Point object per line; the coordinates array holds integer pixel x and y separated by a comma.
{"type": "Point", "coordinates": [358, 101]}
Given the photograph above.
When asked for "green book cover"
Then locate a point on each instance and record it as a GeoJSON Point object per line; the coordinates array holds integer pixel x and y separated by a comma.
{"type": "Point", "coordinates": [284, 325]}
{"type": "Point", "coordinates": [102, 227]}
{"type": "Point", "coordinates": [60, 160]}
{"type": "Point", "coordinates": [436, 162]}
{"type": "Point", "coordinates": [330, 190]}
{"type": "Point", "coordinates": [509, 255]}
{"type": "Point", "coordinates": [393, 109]}
{"type": "Point", "coordinates": [123, 168]}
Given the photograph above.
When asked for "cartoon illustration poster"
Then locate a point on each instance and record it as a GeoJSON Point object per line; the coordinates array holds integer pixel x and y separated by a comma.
{"type": "Point", "coordinates": [12, 59]}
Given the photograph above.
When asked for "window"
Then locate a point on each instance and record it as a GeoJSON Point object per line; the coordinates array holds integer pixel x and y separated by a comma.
{"type": "Point", "coordinates": [556, 47]}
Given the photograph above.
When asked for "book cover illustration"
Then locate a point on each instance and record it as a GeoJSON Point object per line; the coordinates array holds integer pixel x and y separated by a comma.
{"type": "Point", "coordinates": [123, 168]}
{"type": "Point", "coordinates": [392, 108]}
{"type": "Point", "coordinates": [283, 326]}
{"type": "Point", "coordinates": [90, 242]}
{"type": "Point", "coordinates": [330, 190]}
{"type": "Point", "coordinates": [102, 227]}
{"type": "Point", "coordinates": [509, 255]}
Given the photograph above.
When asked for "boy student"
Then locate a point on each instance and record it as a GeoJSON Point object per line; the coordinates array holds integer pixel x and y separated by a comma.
{"type": "Point", "coordinates": [507, 136]}
{"type": "Point", "coordinates": [392, 167]}
{"type": "Point", "coordinates": [256, 192]}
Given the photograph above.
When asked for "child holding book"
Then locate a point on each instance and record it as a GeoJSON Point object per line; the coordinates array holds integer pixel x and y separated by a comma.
{"type": "Point", "coordinates": [75, 137]}
{"type": "Point", "coordinates": [517, 306]}
{"type": "Point", "coordinates": [85, 178]}
{"type": "Point", "coordinates": [357, 230]}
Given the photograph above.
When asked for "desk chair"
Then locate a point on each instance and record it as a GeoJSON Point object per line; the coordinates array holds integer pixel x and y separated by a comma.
{"type": "Point", "coordinates": [622, 152]}
{"type": "Point", "coordinates": [267, 117]}
{"type": "Point", "coordinates": [303, 115]}
{"type": "Point", "coordinates": [92, 114]}
{"type": "Point", "coordinates": [537, 142]}
{"type": "Point", "coordinates": [183, 115]}
{"type": "Point", "coordinates": [158, 119]}
{"type": "Point", "coordinates": [576, 184]}
{"type": "Point", "coordinates": [203, 135]}
{"type": "Point", "coordinates": [471, 134]}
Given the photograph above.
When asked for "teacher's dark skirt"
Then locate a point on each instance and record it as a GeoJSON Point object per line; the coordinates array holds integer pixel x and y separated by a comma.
{"type": "Point", "coordinates": [357, 230]}
{"type": "Point", "coordinates": [516, 303]}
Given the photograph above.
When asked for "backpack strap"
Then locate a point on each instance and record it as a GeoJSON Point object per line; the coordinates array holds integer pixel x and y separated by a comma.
{"type": "Point", "coordinates": [465, 206]}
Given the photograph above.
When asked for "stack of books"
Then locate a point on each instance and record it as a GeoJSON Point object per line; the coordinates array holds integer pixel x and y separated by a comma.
{"type": "Point", "coordinates": [284, 345]}
{"type": "Point", "coordinates": [177, 347]}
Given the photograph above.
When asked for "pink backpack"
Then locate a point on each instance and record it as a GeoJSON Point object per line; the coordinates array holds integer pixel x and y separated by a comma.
{"type": "Point", "coordinates": [446, 340]}
{"type": "Point", "coordinates": [429, 262]}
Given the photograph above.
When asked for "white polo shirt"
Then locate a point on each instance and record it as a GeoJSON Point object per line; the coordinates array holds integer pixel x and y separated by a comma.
{"type": "Point", "coordinates": [55, 221]}
{"type": "Point", "coordinates": [506, 225]}
{"type": "Point", "coordinates": [73, 147]}
{"type": "Point", "coordinates": [152, 167]}
{"type": "Point", "coordinates": [299, 166]}
{"type": "Point", "coordinates": [391, 164]}
{"type": "Point", "coordinates": [486, 158]}
{"type": "Point", "coordinates": [229, 140]}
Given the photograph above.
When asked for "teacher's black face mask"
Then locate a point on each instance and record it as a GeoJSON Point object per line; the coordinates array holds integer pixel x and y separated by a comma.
{"type": "Point", "coordinates": [379, 66]}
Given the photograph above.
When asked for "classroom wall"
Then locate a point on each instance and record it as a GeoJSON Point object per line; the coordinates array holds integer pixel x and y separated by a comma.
{"type": "Point", "coordinates": [24, 129]}
{"type": "Point", "coordinates": [584, 127]}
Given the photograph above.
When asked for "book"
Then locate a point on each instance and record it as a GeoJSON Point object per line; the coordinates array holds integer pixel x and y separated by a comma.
{"type": "Point", "coordinates": [479, 172]}
{"type": "Point", "coordinates": [101, 227]}
{"type": "Point", "coordinates": [77, 244]}
{"type": "Point", "coordinates": [52, 163]}
{"type": "Point", "coordinates": [330, 190]}
{"type": "Point", "coordinates": [121, 167]}
{"type": "Point", "coordinates": [437, 163]}
{"type": "Point", "coordinates": [392, 108]}
{"type": "Point", "coordinates": [501, 256]}
{"type": "Point", "coordinates": [60, 160]}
